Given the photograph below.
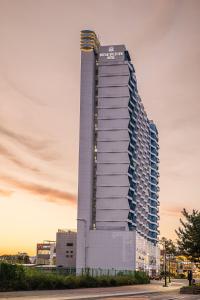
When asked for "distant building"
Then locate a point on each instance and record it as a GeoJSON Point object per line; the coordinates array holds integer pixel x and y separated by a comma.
{"type": "Point", "coordinates": [19, 258]}
{"type": "Point", "coordinates": [46, 253]}
{"type": "Point", "coordinates": [32, 259]}
{"type": "Point", "coordinates": [66, 248]}
{"type": "Point", "coordinates": [178, 265]}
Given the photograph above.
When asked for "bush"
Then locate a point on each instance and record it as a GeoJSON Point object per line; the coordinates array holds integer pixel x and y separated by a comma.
{"type": "Point", "coordinates": [181, 276]}
{"type": "Point", "coordinates": [11, 277]}
{"type": "Point", "coordinates": [16, 277]}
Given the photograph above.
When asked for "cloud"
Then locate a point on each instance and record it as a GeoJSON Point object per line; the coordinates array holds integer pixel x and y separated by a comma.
{"type": "Point", "coordinates": [21, 92]}
{"type": "Point", "coordinates": [37, 147]}
{"type": "Point", "coordinates": [172, 211]}
{"type": "Point", "coordinates": [5, 193]}
{"type": "Point", "coordinates": [47, 193]}
{"type": "Point", "coordinates": [9, 155]}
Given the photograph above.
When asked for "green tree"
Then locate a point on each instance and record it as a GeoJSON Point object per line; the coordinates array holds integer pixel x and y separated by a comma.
{"type": "Point", "coordinates": [189, 235]}
{"type": "Point", "coordinates": [169, 246]}
{"type": "Point", "coordinates": [170, 251]}
{"type": "Point", "coordinates": [20, 258]}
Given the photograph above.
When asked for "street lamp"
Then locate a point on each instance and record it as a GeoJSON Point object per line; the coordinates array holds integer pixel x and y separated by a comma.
{"type": "Point", "coordinates": [171, 257]}
{"type": "Point", "coordinates": [163, 242]}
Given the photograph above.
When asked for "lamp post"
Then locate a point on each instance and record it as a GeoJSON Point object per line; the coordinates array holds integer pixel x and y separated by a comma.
{"type": "Point", "coordinates": [170, 257]}
{"type": "Point", "coordinates": [163, 243]}
{"type": "Point", "coordinates": [165, 264]}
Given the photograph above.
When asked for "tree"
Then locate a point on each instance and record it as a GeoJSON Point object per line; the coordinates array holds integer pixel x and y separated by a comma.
{"type": "Point", "coordinates": [169, 251]}
{"type": "Point", "coordinates": [20, 258]}
{"type": "Point", "coordinates": [189, 235]}
{"type": "Point", "coordinates": [169, 246]}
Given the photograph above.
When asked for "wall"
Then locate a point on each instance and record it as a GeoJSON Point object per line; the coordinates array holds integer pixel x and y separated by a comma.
{"type": "Point", "coordinates": [66, 249]}
{"type": "Point", "coordinates": [111, 249]}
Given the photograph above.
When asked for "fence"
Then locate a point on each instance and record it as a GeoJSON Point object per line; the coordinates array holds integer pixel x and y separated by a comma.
{"type": "Point", "coordinates": [94, 272]}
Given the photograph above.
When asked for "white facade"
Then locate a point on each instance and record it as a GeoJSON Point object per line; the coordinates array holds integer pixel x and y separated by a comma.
{"type": "Point", "coordinates": [66, 248]}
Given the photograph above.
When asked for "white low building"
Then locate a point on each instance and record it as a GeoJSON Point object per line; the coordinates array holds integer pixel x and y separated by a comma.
{"type": "Point", "coordinates": [66, 248]}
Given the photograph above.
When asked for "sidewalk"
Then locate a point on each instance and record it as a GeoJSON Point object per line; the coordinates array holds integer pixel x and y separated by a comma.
{"type": "Point", "coordinates": [92, 293]}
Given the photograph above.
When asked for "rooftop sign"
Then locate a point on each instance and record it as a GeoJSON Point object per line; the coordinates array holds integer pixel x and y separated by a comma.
{"type": "Point", "coordinates": [107, 53]}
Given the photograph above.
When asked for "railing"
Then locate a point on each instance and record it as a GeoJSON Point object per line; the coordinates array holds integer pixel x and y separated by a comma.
{"type": "Point", "coordinates": [82, 271]}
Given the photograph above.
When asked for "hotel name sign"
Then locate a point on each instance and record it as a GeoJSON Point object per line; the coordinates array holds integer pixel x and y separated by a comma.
{"type": "Point", "coordinates": [111, 54]}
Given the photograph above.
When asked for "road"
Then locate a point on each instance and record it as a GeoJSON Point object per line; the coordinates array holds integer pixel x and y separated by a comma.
{"type": "Point", "coordinates": [157, 296]}
{"type": "Point", "coordinates": [152, 291]}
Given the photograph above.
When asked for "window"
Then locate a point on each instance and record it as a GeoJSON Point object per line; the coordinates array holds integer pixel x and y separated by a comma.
{"type": "Point", "coordinates": [71, 255]}
{"type": "Point", "coordinates": [67, 251]}
{"type": "Point", "coordinates": [71, 251]}
{"type": "Point", "coordinates": [67, 255]}
{"type": "Point", "coordinates": [69, 244]}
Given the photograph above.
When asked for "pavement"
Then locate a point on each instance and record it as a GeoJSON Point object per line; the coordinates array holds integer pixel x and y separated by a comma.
{"type": "Point", "coordinates": [159, 296]}
{"type": "Point", "coordinates": [137, 292]}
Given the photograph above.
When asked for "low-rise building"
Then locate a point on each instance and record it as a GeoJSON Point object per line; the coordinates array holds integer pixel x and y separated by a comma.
{"type": "Point", "coordinates": [66, 248]}
{"type": "Point", "coordinates": [46, 253]}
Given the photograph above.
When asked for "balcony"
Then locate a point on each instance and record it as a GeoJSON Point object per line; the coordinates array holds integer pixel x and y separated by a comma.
{"type": "Point", "coordinates": [154, 166]}
{"type": "Point", "coordinates": [154, 151]}
{"type": "Point", "coordinates": [154, 158]}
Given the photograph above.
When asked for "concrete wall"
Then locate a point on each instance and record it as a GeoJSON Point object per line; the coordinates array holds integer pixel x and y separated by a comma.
{"type": "Point", "coordinates": [86, 153]}
{"type": "Point", "coordinates": [111, 249]}
{"type": "Point", "coordinates": [66, 249]}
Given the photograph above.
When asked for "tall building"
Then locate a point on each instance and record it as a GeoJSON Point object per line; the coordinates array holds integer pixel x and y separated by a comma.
{"type": "Point", "coordinates": [66, 248]}
{"type": "Point", "coordinates": [118, 164]}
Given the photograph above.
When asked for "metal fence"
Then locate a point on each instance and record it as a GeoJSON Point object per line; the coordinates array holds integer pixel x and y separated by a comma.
{"type": "Point", "coordinates": [83, 272]}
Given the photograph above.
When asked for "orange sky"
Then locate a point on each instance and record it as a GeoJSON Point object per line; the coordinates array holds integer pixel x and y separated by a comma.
{"type": "Point", "coordinates": [39, 105]}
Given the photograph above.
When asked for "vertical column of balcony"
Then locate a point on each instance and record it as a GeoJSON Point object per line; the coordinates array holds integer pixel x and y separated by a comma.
{"type": "Point", "coordinates": [132, 150]}
{"type": "Point", "coordinates": [138, 129]}
{"type": "Point", "coordinates": [143, 173]}
{"type": "Point", "coordinates": [154, 188]}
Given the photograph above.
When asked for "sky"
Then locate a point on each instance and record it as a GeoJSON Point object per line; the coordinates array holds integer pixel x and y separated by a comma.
{"type": "Point", "coordinates": [40, 99]}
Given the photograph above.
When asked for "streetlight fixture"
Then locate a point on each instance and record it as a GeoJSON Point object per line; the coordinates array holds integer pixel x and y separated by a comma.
{"type": "Point", "coordinates": [163, 243]}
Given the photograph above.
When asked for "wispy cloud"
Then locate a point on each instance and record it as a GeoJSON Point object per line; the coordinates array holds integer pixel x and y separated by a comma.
{"type": "Point", "coordinates": [5, 193]}
{"type": "Point", "coordinates": [38, 147]}
{"type": "Point", "coordinates": [47, 193]}
{"type": "Point", "coordinates": [172, 210]}
{"type": "Point", "coordinates": [21, 92]}
{"type": "Point", "coordinates": [12, 157]}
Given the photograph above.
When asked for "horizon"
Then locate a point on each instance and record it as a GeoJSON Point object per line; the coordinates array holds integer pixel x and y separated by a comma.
{"type": "Point", "coordinates": [40, 98]}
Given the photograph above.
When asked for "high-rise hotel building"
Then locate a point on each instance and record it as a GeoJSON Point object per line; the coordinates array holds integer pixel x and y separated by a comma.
{"type": "Point", "coordinates": [118, 164]}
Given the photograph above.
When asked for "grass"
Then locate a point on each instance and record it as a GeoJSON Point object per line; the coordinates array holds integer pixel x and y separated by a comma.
{"type": "Point", "coordinates": [16, 277]}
